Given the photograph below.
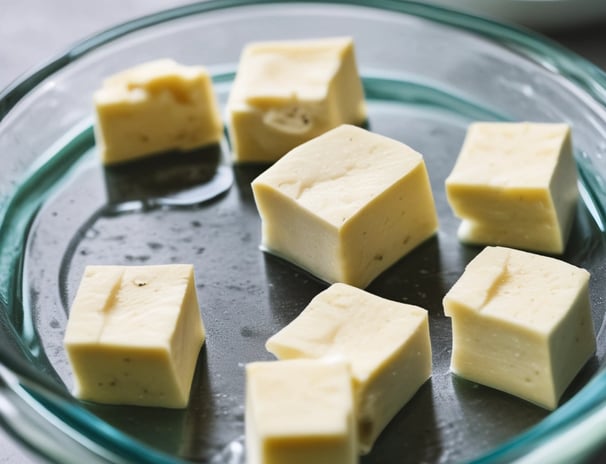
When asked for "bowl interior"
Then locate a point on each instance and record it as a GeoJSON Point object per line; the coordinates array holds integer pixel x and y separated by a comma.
{"type": "Point", "coordinates": [427, 74]}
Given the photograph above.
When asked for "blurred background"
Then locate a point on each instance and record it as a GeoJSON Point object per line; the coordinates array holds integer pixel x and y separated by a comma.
{"type": "Point", "coordinates": [32, 32]}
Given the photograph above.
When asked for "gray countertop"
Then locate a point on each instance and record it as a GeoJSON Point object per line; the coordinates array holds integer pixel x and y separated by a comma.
{"type": "Point", "coordinates": [33, 31]}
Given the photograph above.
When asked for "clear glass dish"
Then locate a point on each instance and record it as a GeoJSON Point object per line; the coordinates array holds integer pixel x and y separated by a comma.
{"type": "Point", "coordinates": [535, 13]}
{"type": "Point", "coordinates": [427, 73]}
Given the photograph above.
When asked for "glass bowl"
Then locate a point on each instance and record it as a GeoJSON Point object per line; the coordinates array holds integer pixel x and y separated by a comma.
{"type": "Point", "coordinates": [428, 72]}
{"type": "Point", "coordinates": [560, 14]}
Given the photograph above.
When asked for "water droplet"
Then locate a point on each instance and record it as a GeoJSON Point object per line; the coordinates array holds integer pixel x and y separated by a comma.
{"type": "Point", "coordinates": [233, 453]}
{"type": "Point", "coordinates": [91, 233]}
{"type": "Point", "coordinates": [527, 90]}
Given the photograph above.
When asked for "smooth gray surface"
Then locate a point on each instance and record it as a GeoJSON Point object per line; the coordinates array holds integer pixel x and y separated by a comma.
{"type": "Point", "coordinates": [34, 31]}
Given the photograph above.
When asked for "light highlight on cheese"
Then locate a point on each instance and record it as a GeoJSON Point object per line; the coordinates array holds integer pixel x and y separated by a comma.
{"type": "Point", "coordinates": [134, 334]}
{"type": "Point", "coordinates": [521, 323]}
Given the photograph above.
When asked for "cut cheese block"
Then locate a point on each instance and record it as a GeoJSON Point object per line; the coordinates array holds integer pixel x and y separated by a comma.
{"type": "Point", "coordinates": [299, 412]}
{"type": "Point", "coordinates": [346, 205]}
{"type": "Point", "coordinates": [288, 92]}
{"type": "Point", "coordinates": [515, 184]}
{"type": "Point", "coordinates": [155, 107]}
{"type": "Point", "coordinates": [521, 323]}
{"type": "Point", "coordinates": [134, 334]}
{"type": "Point", "coordinates": [385, 342]}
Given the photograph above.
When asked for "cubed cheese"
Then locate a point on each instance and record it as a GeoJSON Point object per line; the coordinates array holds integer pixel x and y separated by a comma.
{"type": "Point", "coordinates": [386, 343]}
{"type": "Point", "coordinates": [155, 107]}
{"type": "Point", "coordinates": [521, 323]}
{"type": "Point", "coordinates": [514, 184]}
{"type": "Point", "coordinates": [346, 205]}
{"type": "Point", "coordinates": [300, 412]}
{"type": "Point", "coordinates": [288, 92]}
{"type": "Point", "coordinates": [134, 334]}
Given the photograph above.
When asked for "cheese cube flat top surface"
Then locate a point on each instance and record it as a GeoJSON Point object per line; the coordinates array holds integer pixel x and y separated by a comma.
{"type": "Point", "coordinates": [521, 323]}
{"type": "Point", "coordinates": [385, 342]}
{"type": "Point", "coordinates": [134, 334]}
{"type": "Point", "coordinates": [275, 71]}
{"type": "Point", "coordinates": [155, 107]}
{"type": "Point", "coordinates": [346, 205]}
{"type": "Point", "coordinates": [515, 184]}
{"type": "Point", "coordinates": [288, 92]}
{"type": "Point", "coordinates": [522, 288]}
{"type": "Point", "coordinates": [300, 411]}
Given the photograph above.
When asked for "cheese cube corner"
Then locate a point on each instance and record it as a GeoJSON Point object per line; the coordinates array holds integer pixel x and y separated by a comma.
{"type": "Point", "coordinates": [134, 334]}
{"type": "Point", "coordinates": [346, 205]}
{"type": "Point", "coordinates": [288, 92]}
{"type": "Point", "coordinates": [155, 107]}
{"type": "Point", "coordinates": [521, 323]}
{"type": "Point", "coordinates": [515, 185]}
{"type": "Point", "coordinates": [386, 343]}
{"type": "Point", "coordinates": [300, 411]}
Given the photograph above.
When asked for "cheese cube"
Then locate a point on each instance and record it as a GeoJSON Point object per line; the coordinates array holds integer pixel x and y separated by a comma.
{"type": "Point", "coordinates": [286, 93]}
{"type": "Point", "coordinates": [385, 342]}
{"type": "Point", "coordinates": [134, 334]}
{"type": "Point", "coordinates": [299, 412]}
{"type": "Point", "coordinates": [346, 205]}
{"type": "Point", "coordinates": [521, 323]}
{"type": "Point", "coordinates": [515, 184]}
{"type": "Point", "coordinates": [155, 107]}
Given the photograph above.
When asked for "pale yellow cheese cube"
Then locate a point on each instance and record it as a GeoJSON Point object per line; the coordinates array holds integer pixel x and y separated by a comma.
{"type": "Point", "coordinates": [386, 343]}
{"type": "Point", "coordinates": [134, 334]}
{"type": "Point", "coordinates": [346, 205]}
{"type": "Point", "coordinates": [515, 184]}
{"type": "Point", "coordinates": [521, 323]}
{"type": "Point", "coordinates": [155, 107]}
{"type": "Point", "coordinates": [300, 412]}
{"type": "Point", "coordinates": [288, 92]}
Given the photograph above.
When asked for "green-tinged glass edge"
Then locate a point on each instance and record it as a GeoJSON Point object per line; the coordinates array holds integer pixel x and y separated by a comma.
{"type": "Point", "coordinates": [33, 386]}
{"type": "Point", "coordinates": [545, 52]}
